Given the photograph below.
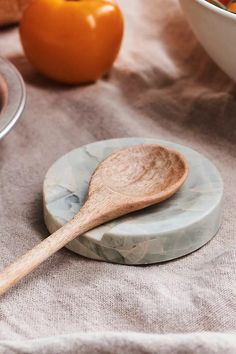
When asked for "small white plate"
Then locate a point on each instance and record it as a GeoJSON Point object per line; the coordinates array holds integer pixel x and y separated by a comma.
{"type": "Point", "coordinates": [12, 96]}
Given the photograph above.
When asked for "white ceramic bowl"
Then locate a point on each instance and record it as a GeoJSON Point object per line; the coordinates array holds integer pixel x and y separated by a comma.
{"type": "Point", "coordinates": [215, 28]}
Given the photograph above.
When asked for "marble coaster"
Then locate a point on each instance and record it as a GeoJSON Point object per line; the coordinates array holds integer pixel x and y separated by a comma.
{"type": "Point", "coordinates": [174, 228]}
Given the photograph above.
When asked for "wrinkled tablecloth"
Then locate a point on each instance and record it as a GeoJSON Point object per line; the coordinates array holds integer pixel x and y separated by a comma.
{"type": "Point", "coordinates": [165, 86]}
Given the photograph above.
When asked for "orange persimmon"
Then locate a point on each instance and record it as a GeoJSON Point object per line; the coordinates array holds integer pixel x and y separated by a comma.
{"type": "Point", "coordinates": [232, 7]}
{"type": "Point", "coordinates": [72, 41]}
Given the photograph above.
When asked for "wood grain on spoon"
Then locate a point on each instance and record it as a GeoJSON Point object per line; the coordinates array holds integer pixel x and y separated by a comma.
{"type": "Point", "coordinates": [128, 180]}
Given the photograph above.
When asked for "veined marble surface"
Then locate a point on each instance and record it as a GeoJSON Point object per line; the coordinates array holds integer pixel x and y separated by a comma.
{"type": "Point", "coordinates": [174, 228]}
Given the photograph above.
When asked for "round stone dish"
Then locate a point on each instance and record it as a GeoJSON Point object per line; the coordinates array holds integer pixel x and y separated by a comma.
{"type": "Point", "coordinates": [12, 96]}
{"type": "Point", "coordinates": [175, 227]}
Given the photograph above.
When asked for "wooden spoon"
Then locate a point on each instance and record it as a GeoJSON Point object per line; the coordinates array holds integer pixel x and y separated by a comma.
{"type": "Point", "coordinates": [128, 180]}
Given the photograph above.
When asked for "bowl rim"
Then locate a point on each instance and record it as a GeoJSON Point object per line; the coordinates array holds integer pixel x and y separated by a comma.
{"type": "Point", "coordinates": [216, 9]}
{"type": "Point", "coordinates": [13, 96]}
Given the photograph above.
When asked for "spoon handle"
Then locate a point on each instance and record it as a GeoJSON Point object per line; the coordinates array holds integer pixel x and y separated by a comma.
{"type": "Point", "coordinates": [33, 258]}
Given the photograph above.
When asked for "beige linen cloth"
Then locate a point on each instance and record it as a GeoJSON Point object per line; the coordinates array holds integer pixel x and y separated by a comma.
{"type": "Point", "coordinates": [163, 85]}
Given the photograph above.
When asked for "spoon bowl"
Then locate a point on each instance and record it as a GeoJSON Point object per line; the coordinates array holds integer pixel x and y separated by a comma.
{"type": "Point", "coordinates": [128, 180]}
{"type": "Point", "coordinates": [143, 171]}
{"type": "Point", "coordinates": [137, 177]}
